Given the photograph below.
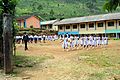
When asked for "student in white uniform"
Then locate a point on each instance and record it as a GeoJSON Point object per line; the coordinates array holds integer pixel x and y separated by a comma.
{"type": "Point", "coordinates": [31, 38]}
{"type": "Point", "coordinates": [60, 37]}
{"type": "Point", "coordinates": [82, 41]}
{"type": "Point", "coordinates": [35, 38]}
{"type": "Point", "coordinates": [44, 38]}
{"type": "Point", "coordinates": [85, 42]}
{"type": "Point", "coordinates": [90, 41]}
{"type": "Point", "coordinates": [98, 41]}
{"type": "Point", "coordinates": [65, 43]}
{"type": "Point", "coordinates": [95, 41]}
{"type": "Point", "coordinates": [106, 40]}
{"type": "Point", "coordinates": [103, 41]}
{"type": "Point", "coordinates": [71, 42]}
{"type": "Point", "coordinates": [40, 38]}
{"type": "Point", "coordinates": [76, 41]}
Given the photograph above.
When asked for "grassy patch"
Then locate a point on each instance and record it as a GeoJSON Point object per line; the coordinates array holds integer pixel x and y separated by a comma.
{"type": "Point", "coordinates": [21, 60]}
{"type": "Point", "coordinates": [102, 58]}
{"type": "Point", "coordinates": [96, 76]}
{"type": "Point", "coordinates": [24, 62]}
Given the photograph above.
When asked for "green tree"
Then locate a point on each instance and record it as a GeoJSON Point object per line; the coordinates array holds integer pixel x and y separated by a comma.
{"type": "Point", "coordinates": [40, 7]}
{"type": "Point", "coordinates": [6, 6]}
{"type": "Point", "coordinates": [52, 12]}
{"type": "Point", "coordinates": [111, 5]}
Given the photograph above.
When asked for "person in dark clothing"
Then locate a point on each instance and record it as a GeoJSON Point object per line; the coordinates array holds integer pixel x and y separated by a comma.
{"type": "Point", "coordinates": [25, 39]}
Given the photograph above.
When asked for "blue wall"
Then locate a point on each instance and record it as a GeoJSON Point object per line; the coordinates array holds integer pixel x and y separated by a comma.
{"type": "Point", "coordinates": [63, 33]}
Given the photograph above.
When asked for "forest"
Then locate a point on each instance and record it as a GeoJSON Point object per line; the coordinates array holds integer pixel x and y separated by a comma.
{"type": "Point", "coordinates": [60, 9]}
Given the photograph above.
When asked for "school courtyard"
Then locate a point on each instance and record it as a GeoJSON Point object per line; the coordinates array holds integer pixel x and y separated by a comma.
{"type": "Point", "coordinates": [48, 61]}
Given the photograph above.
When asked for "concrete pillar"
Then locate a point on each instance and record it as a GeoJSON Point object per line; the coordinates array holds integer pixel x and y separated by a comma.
{"type": "Point", "coordinates": [116, 35]}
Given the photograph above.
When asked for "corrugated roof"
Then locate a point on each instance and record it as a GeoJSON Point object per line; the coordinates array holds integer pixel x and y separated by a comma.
{"type": "Point", "coordinates": [102, 17]}
{"type": "Point", "coordinates": [48, 22]}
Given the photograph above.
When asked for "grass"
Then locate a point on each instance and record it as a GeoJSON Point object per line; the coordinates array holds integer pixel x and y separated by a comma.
{"type": "Point", "coordinates": [23, 61]}
{"type": "Point", "coordinates": [102, 64]}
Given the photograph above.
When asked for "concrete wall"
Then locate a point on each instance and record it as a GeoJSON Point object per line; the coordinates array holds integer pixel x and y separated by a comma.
{"type": "Point", "coordinates": [33, 21]}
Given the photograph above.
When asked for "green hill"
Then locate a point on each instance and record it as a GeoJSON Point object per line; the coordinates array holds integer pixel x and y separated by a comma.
{"type": "Point", "coordinates": [52, 9]}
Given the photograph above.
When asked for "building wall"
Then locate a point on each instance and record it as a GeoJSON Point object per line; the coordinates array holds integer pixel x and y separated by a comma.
{"type": "Point", "coordinates": [55, 28]}
{"type": "Point", "coordinates": [33, 21]}
{"type": "Point", "coordinates": [21, 23]}
{"type": "Point", "coordinates": [77, 29]}
{"type": "Point", "coordinates": [118, 25]}
{"type": "Point", "coordinates": [111, 27]}
{"type": "Point", "coordinates": [61, 30]}
{"type": "Point", "coordinates": [68, 30]}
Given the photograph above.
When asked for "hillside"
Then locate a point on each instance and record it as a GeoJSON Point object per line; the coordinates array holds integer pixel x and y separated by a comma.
{"type": "Point", "coordinates": [52, 9]}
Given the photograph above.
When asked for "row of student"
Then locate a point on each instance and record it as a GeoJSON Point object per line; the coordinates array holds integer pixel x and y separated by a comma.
{"type": "Point", "coordinates": [85, 42]}
{"type": "Point", "coordinates": [37, 38]}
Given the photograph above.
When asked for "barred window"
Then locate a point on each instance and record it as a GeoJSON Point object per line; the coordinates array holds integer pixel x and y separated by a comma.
{"type": "Point", "coordinates": [111, 23]}
{"type": "Point", "coordinates": [60, 27]}
{"type": "Point", "coordinates": [82, 25]}
{"type": "Point", "coordinates": [91, 25]}
{"type": "Point", "coordinates": [67, 27]}
{"type": "Point", "coordinates": [100, 24]}
{"type": "Point", "coordinates": [74, 26]}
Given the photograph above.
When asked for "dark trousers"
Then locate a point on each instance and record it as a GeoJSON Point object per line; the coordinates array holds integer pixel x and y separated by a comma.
{"type": "Point", "coordinates": [26, 48]}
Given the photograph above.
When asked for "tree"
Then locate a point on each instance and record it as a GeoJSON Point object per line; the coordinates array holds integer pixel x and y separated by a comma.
{"type": "Point", "coordinates": [111, 5]}
{"type": "Point", "coordinates": [52, 15]}
{"type": "Point", "coordinates": [91, 5]}
{"type": "Point", "coordinates": [40, 7]}
{"type": "Point", "coordinates": [52, 12]}
{"type": "Point", "coordinates": [7, 8]}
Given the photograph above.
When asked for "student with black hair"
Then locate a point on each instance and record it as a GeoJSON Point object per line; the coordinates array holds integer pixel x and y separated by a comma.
{"type": "Point", "coordinates": [25, 39]}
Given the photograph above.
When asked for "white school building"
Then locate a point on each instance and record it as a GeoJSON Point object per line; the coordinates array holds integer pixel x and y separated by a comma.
{"type": "Point", "coordinates": [104, 24]}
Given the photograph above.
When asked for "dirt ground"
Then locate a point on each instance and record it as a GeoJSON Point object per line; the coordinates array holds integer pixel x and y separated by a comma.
{"type": "Point", "coordinates": [101, 63]}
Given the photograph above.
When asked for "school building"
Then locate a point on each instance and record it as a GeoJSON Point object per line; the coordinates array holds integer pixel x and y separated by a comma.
{"type": "Point", "coordinates": [104, 24]}
{"type": "Point", "coordinates": [28, 21]}
{"type": "Point", "coordinates": [49, 25]}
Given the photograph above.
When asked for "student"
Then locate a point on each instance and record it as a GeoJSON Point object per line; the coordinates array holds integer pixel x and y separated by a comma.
{"type": "Point", "coordinates": [25, 39]}
{"type": "Point", "coordinates": [31, 38]}
{"type": "Point", "coordinates": [102, 40]}
{"type": "Point", "coordinates": [95, 41]}
{"type": "Point", "coordinates": [71, 42]}
{"type": "Point", "coordinates": [82, 41]}
{"type": "Point", "coordinates": [90, 41]}
{"type": "Point", "coordinates": [85, 42]}
{"type": "Point", "coordinates": [76, 41]}
{"type": "Point", "coordinates": [35, 38]}
{"type": "Point", "coordinates": [44, 38]}
{"type": "Point", "coordinates": [65, 43]}
{"type": "Point", "coordinates": [106, 40]}
{"type": "Point", "coordinates": [40, 38]}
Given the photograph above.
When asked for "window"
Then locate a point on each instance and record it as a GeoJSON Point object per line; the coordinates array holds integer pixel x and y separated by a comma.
{"type": "Point", "coordinates": [100, 24]}
{"type": "Point", "coordinates": [111, 23]}
{"type": "Point", "coordinates": [91, 25]}
{"type": "Point", "coordinates": [82, 25]}
{"type": "Point", "coordinates": [50, 26]}
{"type": "Point", "coordinates": [74, 26]}
{"type": "Point", "coordinates": [31, 26]}
{"type": "Point", "coordinates": [67, 27]}
{"type": "Point", "coordinates": [60, 27]}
